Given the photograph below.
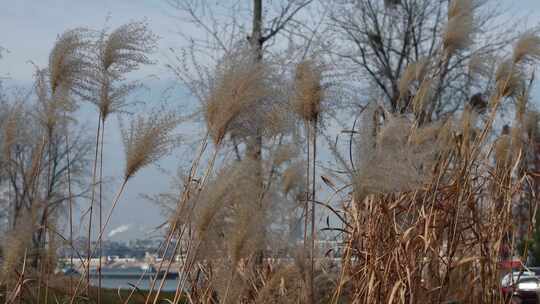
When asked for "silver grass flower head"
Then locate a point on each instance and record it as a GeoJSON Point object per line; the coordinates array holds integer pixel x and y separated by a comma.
{"type": "Point", "coordinates": [226, 207]}
{"type": "Point", "coordinates": [10, 127]}
{"type": "Point", "coordinates": [284, 153]}
{"type": "Point", "coordinates": [286, 285]}
{"type": "Point", "coordinates": [293, 178]}
{"type": "Point", "coordinates": [504, 155]}
{"type": "Point", "coordinates": [459, 29]}
{"type": "Point", "coordinates": [239, 85]}
{"type": "Point", "coordinates": [531, 124]}
{"type": "Point", "coordinates": [527, 48]}
{"type": "Point", "coordinates": [508, 78]}
{"type": "Point", "coordinates": [119, 52]}
{"type": "Point", "coordinates": [415, 71]}
{"type": "Point", "coordinates": [126, 48]}
{"type": "Point", "coordinates": [16, 242]}
{"type": "Point", "coordinates": [148, 139]}
{"type": "Point", "coordinates": [469, 120]}
{"type": "Point", "coordinates": [481, 65]}
{"type": "Point", "coordinates": [69, 63]}
{"type": "Point", "coordinates": [401, 160]}
{"type": "Point", "coordinates": [459, 7]}
{"type": "Point", "coordinates": [423, 96]}
{"type": "Point", "coordinates": [51, 110]}
{"type": "Point", "coordinates": [308, 90]}
{"type": "Point", "coordinates": [277, 117]}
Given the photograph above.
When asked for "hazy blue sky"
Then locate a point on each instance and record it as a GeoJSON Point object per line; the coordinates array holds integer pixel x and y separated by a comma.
{"type": "Point", "coordinates": [29, 30]}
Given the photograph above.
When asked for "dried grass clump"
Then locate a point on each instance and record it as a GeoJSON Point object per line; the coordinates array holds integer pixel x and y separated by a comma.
{"type": "Point", "coordinates": [527, 48]}
{"type": "Point", "coordinates": [460, 26]}
{"type": "Point", "coordinates": [429, 134]}
{"type": "Point", "coordinates": [509, 79]}
{"type": "Point", "coordinates": [308, 90]}
{"type": "Point", "coordinates": [423, 96]}
{"type": "Point", "coordinates": [51, 110]}
{"type": "Point", "coordinates": [67, 74]}
{"type": "Point", "coordinates": [230, 214]}
{"type": "Point", "coordinates": [17, 245]}
{"type": "Point", "coordinates": [415, 71]}
{"type": "Point", "coordinates": [238, 86]}
{"type": "Point", "coordinates": [504, 156]}
{"type": "Point", "coordinates": [468, 122]}
{"type": "Point", "coordinates": [394, 132]}
{"type": "Point", "coordinates": [49, 256]}
{"type": "Point", "coordinates": [148, 139]}
{"type": "Point", "coordinates": [531, 124]}
{"type": "Point", "coordinates": [481, 65]}
{"type": "Point", "coordinates": [284, 153]}
{"type": "Point", "coordinates": [326, 281]}
{"type": "Point", "coordinates": [401, 160]}
{"type": "Point", "coordinates": [277, 119]}
{"type": "Point", "coordinates": [286, 285]}
{"type": "Point", "coordinates": [10, 128]}
{"type": "Point", "coordinates": [293, 178]}
{"type": "Point", "coordinates": [459, 7]}
{"type": "Point", "coordinates": [231, 284]}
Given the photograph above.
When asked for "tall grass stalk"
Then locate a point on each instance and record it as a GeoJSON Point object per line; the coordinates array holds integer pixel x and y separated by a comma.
{"type": "Point", "coordinates": [91, 208]}
{"type": "Point", "coordinates": [85, 273]}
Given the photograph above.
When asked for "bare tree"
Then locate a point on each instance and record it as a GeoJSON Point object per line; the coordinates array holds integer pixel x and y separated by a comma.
{"type": "Point", "coordinates": [378, 40]}
{"type": "Point", "coordinates": [35, 170]}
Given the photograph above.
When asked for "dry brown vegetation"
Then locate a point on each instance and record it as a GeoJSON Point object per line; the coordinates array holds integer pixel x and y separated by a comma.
{"type": "Point", "coordinates": [423, 207]}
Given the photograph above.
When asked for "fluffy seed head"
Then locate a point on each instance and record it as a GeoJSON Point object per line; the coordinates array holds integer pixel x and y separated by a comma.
{"type": "Point", "coordinates": [400, 161]}
{"type": "Point", "coordinates": [308, 90]}
{"type": "Point", "coordinates": [126, 48]}
{"type": "Point", "coordinates": [459, 7]}
{"type": "Point", "coordinates": [469, 119]}
{"type": "Point", "coordinates": [229, 214]}
{"type": "Point", "coordinates": [503, 151]}
{"type": "Point", "coordinates": [286, 285]}
{"type": "Point", "coordinates": [284, 153]}
{"type": "Point", "coordinates": [293, 177]}
{"type": "Point", "coordinates": [415, 71]}
{"type": "Point", "coordinates": [422, 96]}
{"type": "Point", "coordinates": [147, 140]}
{"type": "Point", "coordinates": [9, 127]}
{"type": "Point", "coordinates": [531, 124]}
{"type": "Point", "coordinates": [122, 51]}
{"type": "Point", "coordinates": [508, 78]}
{"type": "Point", "coordinates": [481, 65]}
{"type": "Point", "coordinates": [51, 108]}
{"type": "Point", "coordinates": [527, 48]}
{"type": "Point", "coordinates": [68, 62]}
{"type": "Point", "coordinates": [238, 86]}
{"type": "Point", "coordinates": [16, 242]}
{"type": "Point", "coordinates": [458, 31]}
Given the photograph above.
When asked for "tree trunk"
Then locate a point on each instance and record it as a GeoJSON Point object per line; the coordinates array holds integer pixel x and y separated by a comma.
{"type": "Point", "coordinates": [254, 145]}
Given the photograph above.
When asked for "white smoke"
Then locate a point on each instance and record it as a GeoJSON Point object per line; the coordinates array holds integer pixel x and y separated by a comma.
{"type": "Point", "coordinates": [117, 230]}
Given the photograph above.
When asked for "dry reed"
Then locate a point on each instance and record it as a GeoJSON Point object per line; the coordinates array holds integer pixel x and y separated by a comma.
{"type": "Point", "coordinates": [147, 139]}
{"type": "Point", "coordinates": [238, 86]}
{"type": "Point", "coordinates": [460, 26]}
{"type": "Point", "coordinates": [527, 48]}
{"type": "Point", "coordinates": [308, 90]}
